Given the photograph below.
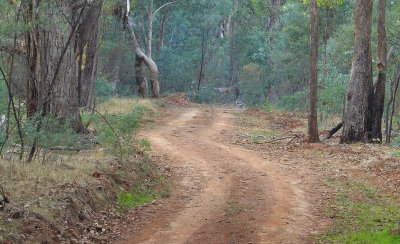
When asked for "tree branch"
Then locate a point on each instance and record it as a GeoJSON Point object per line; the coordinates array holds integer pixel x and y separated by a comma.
{"type": "Point", "coordinates": [164, 5]}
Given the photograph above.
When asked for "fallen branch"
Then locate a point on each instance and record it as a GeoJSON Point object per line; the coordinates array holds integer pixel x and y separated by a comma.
{"type": "Point", "coordinates": [277, 139]}
{"type": "Point", "coordinates": [334, 130]}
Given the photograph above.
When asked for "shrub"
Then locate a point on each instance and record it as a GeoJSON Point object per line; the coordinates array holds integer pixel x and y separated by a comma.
{"type": "Point", "coordinates": [102, 87]}
{"type": "Point", "coordinates": [295, 101]}
{"type": "Point", "coordinates": [115, 131]}
{"type": "Point", "coordinates": [53, 133]}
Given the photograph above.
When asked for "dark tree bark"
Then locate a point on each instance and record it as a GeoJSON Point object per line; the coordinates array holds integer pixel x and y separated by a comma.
{"type": "Point", "coordinates": [380, 85]}
{"type": "Point", "coordinates": [334, 130]}
{"type": "Point", "coordinates": [357, 122]}
{"type": "Point", "coordinates": [203, 54]}
{"type": "Point", "coordinates": [395, 86]}
{"type": "Point", "coordinates": [313, 135]}
{"type": "Point", "coordinates": [234, 64]}
{"type": "Point", "coordinates": [88, 42]}
{"type": "Point", "coordinates": [162, 30]}
{"type": "Point", "coordinates": [52, 61]}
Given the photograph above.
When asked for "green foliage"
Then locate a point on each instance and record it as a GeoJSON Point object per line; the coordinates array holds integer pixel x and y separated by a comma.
{"type": "Point", "coordinates": [267, 107]}
{"type": "Point", "coordinates": [102, 87]}
{"type": "Point", "coordinates": [134, 198]}
{"type": "Point", "coordinates": [331, 98]}
{"type": "Point", "coordinates": [53, 133]}
{"type": "Point", "coordinates": [234, 207]}
{"type": "Point", "coordinates": [116, 132]}
{"type": "Point", "coordinates": [396, 123]}
{"type": "Point", "coordinates": [265, 133]}
{"type": "Point", "coordinates": [207, 95]}
{"type": "Point", "coordinates": [272, 64]}
{"type": "Point", "coordinates": [326, 3]}
{"type": "Point", "coordinates": [261, 7]}
{"type": "Point", "coordinates": [362, 214]}
{"type": "Point", "coordinates": [252, 85]}
{"type": "Point", "coordinates": [295, 101]}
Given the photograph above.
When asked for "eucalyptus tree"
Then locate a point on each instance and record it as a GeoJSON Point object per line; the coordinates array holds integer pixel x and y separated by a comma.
{"type": "Point", "coordinates": [51, 57]}
{"type": "Point", "coordinates": [313, 135]}
{"type": "Point", "coordinates": [149, 9]}
{"type": "Point", "coordinates": [358, 113]}
{"type": "Point", "coordinates": [380, 85]}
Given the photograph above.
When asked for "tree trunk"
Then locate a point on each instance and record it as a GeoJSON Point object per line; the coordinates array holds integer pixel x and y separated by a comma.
{"type": "Point", "coordinates": [141, 79]}
{"type": "Point", "coordinates": [313, 135]}
{"type": "Point", "coordinates": [150, 28]}
{"type": "Point", "coordinates": [115, 74]}
{"type": "Point", "coordinates": [88, 42]}
{"type": "Point", "coordinates": [395, 86]}
{"type": "Point", "coordinates": [203, 53]}
{"type": "Point", "coordinates": [274, 16]}
{"type": "Point", "coordinates": [162, 30]}
{"type": "Point", "coordinates": [151, 65]}
{"type": "Point", "coordinates": [233, 74]}
{"type": "Point", "coordinates": [379, 98]}
{"type": "Point", "coordinates": [357, 115]}
{"type": "Point", "coordinates": [328, 21]}
{"type": "Point", "coordinates": [53, 84]}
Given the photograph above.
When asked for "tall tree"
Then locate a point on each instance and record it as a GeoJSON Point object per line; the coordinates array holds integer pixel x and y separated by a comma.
{"type": "Point", "coordinates": [52, 59]}
{"type": "Point", "coordinates": [380, 85]}
{"type": "Point", "coordinates": [357, 114]}
{"type": "Point", "coordinates": [234, 62]}
{"type": "Point", "coordinates": [140, 76]}
{"type": "Point", "coordinates": [145, 57]}
{"type": "Point", "coordinates": [88, 41]}
{"type": "Point", "coordinates": [312, 119]}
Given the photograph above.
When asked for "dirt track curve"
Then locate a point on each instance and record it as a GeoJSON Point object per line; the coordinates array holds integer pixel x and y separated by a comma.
{"type": "Point", "coordinates": [223, 193]}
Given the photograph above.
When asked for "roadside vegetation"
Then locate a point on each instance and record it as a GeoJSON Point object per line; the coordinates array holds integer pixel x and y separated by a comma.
{"type": "Point", "coordinates": [356, 186]}
{"type": "Point", "coordinates": [362, 213]}
{"type": "Point", "coordinates": [78, 178]}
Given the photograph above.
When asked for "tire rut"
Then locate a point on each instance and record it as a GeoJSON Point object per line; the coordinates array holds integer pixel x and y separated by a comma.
{"type": "Point", "coordinates": [234, 195]}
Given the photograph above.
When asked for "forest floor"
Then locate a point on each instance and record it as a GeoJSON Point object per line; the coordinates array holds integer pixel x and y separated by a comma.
{"type": "Point", "coordinates": [249, 177]}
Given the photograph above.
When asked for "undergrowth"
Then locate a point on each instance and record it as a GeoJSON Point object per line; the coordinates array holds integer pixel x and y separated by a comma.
{"type": "Point", "coordinates": [132, 199]}
{"type": "Point", "coordinates": [150, 186]}
{"type": "Point", "coordinates": [362, 214]}
{"type": "Point", "coordinates": [103, 161]}
{"type": "Point", "coordinates": [115, 131]}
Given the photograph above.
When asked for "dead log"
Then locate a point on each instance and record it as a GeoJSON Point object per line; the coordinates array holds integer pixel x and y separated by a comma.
{"type": "Point", "coordinates": [334, 130]}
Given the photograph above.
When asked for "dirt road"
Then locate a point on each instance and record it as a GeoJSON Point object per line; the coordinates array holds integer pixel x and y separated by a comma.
{"type": "Point", "coordinates": [223, 193]}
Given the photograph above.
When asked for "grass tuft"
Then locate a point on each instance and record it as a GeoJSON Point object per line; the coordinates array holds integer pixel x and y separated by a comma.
{"type": "Point", "coordinates": [362, 214]}
{"type": "Point", "coordinates": [133, 199]}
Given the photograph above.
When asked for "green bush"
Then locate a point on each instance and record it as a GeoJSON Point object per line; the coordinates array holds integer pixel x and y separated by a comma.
{"type": "Point", "coordinates": [53, 133]}
{"type": "Point", "coordinates": [116, 132]}
{"type": "Point", "coordinates": [295, 101]}
{"type": "Point", "coordinates": [267, 107]}
{"type": "Point", "coordinates": [134, 198]}
{"type": "Point", "coordinates": [102, 87]}
{"type": "Point", "coordinates": [207, 95]}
